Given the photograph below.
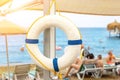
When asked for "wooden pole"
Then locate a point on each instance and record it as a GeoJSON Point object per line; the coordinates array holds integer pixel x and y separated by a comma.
{"type": "Point", "coordinates": [8, 66]}
{"type": "Point", "coordinates": [109, 34]}
{"type": "Point", "coordinates": [119, 34]}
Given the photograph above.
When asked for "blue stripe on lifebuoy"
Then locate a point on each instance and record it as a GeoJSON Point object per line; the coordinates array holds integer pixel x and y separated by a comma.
{"type": "Point", "coordinates": [32, 41]}
{"type": "Point", "coordinates": [55, 64]}
{"type": "Point", "coordinates": [74, 42]}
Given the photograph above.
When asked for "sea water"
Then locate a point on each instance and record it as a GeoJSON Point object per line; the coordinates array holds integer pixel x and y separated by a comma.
{"type": "Point", "coordinates": [97, 39]}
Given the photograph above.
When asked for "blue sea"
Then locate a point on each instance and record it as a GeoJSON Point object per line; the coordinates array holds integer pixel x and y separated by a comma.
{"type": "Point", "coordinates": [96, 38]}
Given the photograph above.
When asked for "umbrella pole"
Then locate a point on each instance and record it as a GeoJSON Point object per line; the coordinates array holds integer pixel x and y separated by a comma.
{"type": "Point", "coordinates": [46, 73]}
{"type": "Point", "coordinates": [8, 68]}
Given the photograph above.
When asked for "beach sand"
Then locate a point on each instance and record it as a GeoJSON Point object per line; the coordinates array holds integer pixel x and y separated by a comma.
{"type": "Point", "coordinates": [103, 78]}
{"type": "Point", "coordinates": [73, 77]}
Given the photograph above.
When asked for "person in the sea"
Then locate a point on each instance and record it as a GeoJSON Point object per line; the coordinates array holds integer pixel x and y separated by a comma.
{"type": "Point", "coordinates": [75, 67]}
{"type": "Point", "coordinates": [22, 48]}
{"type": "Point", "coordinates": [110, 58]}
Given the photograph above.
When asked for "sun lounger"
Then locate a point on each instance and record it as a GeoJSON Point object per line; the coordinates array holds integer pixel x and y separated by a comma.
{"type": "Point", "coordinates": [97, 72]}
{"type": "Point", "coordinates": [110, 69]}
{"type": "Point", "coordinates": [89, 68]}
{"type": "Point", "coordinates": [20, 72]}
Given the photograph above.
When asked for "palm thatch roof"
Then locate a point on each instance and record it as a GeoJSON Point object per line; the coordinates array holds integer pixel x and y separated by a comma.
{"type": "Point", "coordinates": [113, 26]}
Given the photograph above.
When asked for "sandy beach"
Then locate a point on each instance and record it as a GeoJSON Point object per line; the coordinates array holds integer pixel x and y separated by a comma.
{"type": "Point", "coordinates": [103, 78]}
{"type": "Point", "coordinates": [3, 68]}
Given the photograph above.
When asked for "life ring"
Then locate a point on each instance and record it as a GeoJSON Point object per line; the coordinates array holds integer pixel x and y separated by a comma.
{"type": "Point", "coordinates": [71, 52]}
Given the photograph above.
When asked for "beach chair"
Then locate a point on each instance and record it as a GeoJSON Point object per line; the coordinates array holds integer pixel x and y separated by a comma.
{"type": "Point", "coordinates": [36, 74]}
{"type": "Point", "coordinates": [20, 72]}
{"type": "Point", "coordinates": [88, 68]}
{"type": "Point", "coordinates": [110, 69]}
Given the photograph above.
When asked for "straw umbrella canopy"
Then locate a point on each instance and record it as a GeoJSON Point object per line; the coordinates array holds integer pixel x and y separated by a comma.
{"type": "Point", "coordinates": [113, 26]}
{"type": "Point", "coordinates": [9, 28]}
{"type": "Point", "coordinates": [119, 26]}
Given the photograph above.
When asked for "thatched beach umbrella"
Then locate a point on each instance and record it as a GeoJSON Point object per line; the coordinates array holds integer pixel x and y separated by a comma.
{"type": "Point", "coordinates": [118, 26]}
{"type": "Point", "coordinates": [113, 25]}
{"type": "Point", "coordinates": [9, 28]}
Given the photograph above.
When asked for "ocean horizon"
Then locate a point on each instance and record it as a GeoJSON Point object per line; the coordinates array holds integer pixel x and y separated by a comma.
{"type": "Point", "coordinates": [96, 38]}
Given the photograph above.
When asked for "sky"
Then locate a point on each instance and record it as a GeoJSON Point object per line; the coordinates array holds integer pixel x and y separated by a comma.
{"type": "Point", "coordinates": [26, 18]}
{"type": "Point", "coordinates": [82, 20]}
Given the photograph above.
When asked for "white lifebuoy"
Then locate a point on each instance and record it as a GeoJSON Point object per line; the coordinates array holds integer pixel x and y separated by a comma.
{"type": "Point", "coordinates": [72, 50]}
